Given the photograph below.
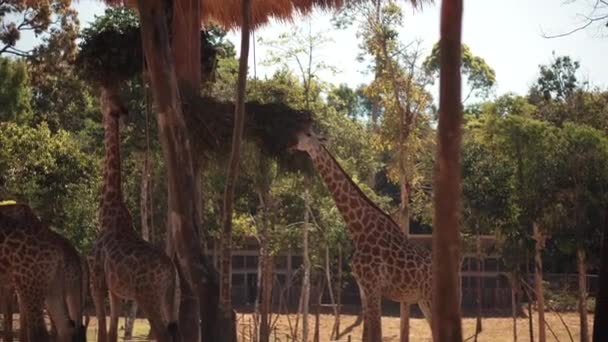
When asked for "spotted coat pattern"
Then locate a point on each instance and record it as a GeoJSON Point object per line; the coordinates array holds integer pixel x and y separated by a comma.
{"type": "Point", "coordinates": [33, 263]}
{"type": "Point", "coordinates": [385, 263]}
{"type": "Point", "coordinates": [122, 263]}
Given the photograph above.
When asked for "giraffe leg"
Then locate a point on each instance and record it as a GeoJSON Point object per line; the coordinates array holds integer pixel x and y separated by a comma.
{"type": "Point", "coordinates": [8, 314]}
{"type": "Point", "coordinates": [58, 312]}
{"type": "Point", "coordinates": [22, 325]}
{"type": "Point", "coordinates": [158, 326]}
{"type": "Point", "coordinates": [31, 302]}
{"type": "Point", "coordinates": [115, 306]}
{"type": "Point", "coordinates": [53, 329]}
{"type": "Point", "coordinates": [170, 302]}
{"type": "Point", "coordinates": [73, 298]}
{"type": "Point", "coordinates": [425, 307]}
{"type": "Point", "coordinates": [98, 292]}
{"type": "Point", "coordinates": [375, 309]}
{"type": "Point", "coordinates": [372, 327]}
{"type": "Point", "coordinates": [366, 322]}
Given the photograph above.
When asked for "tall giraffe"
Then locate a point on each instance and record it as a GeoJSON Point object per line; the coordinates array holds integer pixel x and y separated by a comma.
{"type": "Point", "coordinates": [385, 263]}
{"type": "Point", "coordinates": [121, 262]}
{"type": "Point", "coordinates": [32, 261]}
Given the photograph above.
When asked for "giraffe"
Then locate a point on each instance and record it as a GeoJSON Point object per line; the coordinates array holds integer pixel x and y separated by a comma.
{"type": "Point", "coordinates": [121, 262]}
{"type": "Point", "coordinates": [75, 281]}
{"type": "Point", "coordinates": [33, 263]}
{"type": "Point", "coordinates": [385, 263]}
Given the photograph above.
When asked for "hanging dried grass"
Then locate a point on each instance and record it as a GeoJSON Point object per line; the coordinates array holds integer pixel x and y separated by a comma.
{"type": "Point", "coordinates": [227, 13]}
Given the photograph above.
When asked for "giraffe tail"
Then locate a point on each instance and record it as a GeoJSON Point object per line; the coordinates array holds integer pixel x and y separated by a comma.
{"type": "Point", "coordinates": [84, 291]}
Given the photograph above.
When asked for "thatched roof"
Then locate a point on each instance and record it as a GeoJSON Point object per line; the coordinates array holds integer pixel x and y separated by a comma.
{"type": "Point", "coordinates": [227, 13]}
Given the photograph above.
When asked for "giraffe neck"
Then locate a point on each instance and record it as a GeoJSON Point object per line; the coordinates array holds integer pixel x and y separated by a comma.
{"type": "Point", "coordinates": [112, 187]}
{"type": "Point", "coordinates": [354, 206]}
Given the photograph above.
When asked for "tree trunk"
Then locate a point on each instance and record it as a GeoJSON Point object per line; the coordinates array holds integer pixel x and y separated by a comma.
{"type": "Point", "coordinates": [334, 333]}
{"type": "Point", "coordinates": [514, 306]}
{"type": "Point", "coordinates": [600, 322]}
{"type": "Point", "coordinates": [478, 303]}
{"type": "Point", "coordinates": [446, 321]}
{"type": "Point", "coordinates": [530, 314]}
{"type": "Point", "coordinates": [538, 281]}
{"type": "Point", "coordinates": [227, 315]}
{"type": "Point", "coordinates": [339, 292]}
{"type": "Point", "coordinates": [305, 297]}
{"type": "Point", "coordinates": [198, 277]}
{"type": "Point", "coordinates": [319, 296]}
{"type": "Point", "coordinates": [582, 293]}
{"type": "Point", "coordinates": [266, 258]}
{"type": "Point", "coordinates": [404, 218]}
{"type": "Point", "coordinates": [530, 319]}
{"type": "Point", "coordinates": [185, 40]}
{"type": "Point", "coordinates": [266, 295]}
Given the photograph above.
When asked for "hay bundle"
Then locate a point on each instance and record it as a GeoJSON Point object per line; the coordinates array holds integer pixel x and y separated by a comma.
{"type": "Point", "coordinates": [112, 52]}
{"type": "Point", "coordinates": [271, 126]}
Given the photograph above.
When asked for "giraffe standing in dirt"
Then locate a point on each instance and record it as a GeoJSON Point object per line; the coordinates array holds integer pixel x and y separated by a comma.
{"type": "Point", "coordinates": [33, 262]}
{"type": "Point", "coordinates": [385, 263]}
{"type": "Point", "coordinates": [122, 263]}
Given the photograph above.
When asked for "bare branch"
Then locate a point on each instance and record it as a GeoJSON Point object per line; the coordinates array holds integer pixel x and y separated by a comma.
{"type": "Point", "coordinates": [13, 51]}
{"type": "Point", "coordinates": [589, 19]}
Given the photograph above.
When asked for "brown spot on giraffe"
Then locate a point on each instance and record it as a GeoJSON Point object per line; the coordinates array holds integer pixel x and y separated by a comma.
{"type": "Point", "coordinates": [121, 262]}
{"type": "Point", "coordinates": [380, 270]}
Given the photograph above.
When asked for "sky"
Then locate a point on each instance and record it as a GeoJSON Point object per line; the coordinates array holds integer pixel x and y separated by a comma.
{"type": "Point", "coordinates": [507, 34]}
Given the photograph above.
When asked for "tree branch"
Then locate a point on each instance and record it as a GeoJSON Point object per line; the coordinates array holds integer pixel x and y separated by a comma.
{"type": "Point", "coordinates": [589, 19]}
{"type": "Point", "coordinates": [14, 51]}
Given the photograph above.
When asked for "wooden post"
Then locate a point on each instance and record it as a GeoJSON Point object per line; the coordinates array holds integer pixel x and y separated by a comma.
{"type": "Point", "coordinates": [227, 324]}
{"type": "Point", "coordinates": [538, 281]}
{"type": "Point", "coordinates": [582, 292]}
{"type": "Point", "coordinates": [600, 322]}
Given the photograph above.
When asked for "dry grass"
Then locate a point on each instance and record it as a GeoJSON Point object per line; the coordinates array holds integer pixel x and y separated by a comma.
{"type": "Point", "coordinates": [494, 329]}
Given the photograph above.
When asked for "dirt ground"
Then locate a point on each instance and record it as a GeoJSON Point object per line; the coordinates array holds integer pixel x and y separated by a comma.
{"type": "Point", "coordinates": [494, 329]}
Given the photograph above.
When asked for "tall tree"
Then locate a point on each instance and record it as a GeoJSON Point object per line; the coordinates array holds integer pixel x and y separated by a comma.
{"type": "Point", "coordinates": [198, 276]}
{"type": "Point", "coordinates": [582, 198]}
{"type": "Point", "coordinates": [226, 314]}
{"type": "Point", "coordinates": [446, 322]}
{"type": "Point", "coordinates": [481, 78]}
{"type": "Point", "coordinates": [54, 19]}
{"type": "Point", "coordinates": [15, 93]}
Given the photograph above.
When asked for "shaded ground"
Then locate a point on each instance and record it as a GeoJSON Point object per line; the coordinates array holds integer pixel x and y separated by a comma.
{"type": "Point", "coordinates": [494, 329]}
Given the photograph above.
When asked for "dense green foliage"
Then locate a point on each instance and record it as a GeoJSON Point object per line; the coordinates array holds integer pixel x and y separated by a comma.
{"type": "Point", "coordinates": [539, 158]}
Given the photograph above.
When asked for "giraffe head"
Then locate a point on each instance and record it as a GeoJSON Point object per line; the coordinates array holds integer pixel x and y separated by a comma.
{"type": "Point", "coordinates": [111, 103]}
{"type": "Point", "coordinates": [306, 141]}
